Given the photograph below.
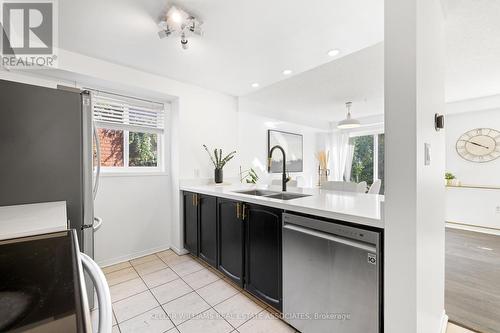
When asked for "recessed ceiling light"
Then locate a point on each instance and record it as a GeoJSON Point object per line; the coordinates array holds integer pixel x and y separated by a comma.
{"type": "Point", "coordinates": [287, 72]}
{"type": "Point", "coordinates": [333, 53]}
{"type": "Point", "coordinates": [255, 85]}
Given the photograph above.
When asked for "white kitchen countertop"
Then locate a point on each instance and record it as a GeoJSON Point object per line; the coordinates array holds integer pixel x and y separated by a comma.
{"type": "Point", "coordinates": [360, 208]}
{"type": "Point", "coordinates": [32, 219]}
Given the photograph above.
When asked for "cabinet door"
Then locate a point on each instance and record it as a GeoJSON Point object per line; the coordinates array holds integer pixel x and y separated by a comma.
{"type": "Point", "coordinates": [208, 229]}
{"type": "Point", "coordinates": [231, 240]}
{"type": "Point", "coordinates": [191, 222]}
{"type": "Point", "coordinates": [263, 253]}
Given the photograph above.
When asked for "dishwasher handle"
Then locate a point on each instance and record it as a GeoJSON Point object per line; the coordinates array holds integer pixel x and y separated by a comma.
{"type": "Point", "coordinates": [332, 238]}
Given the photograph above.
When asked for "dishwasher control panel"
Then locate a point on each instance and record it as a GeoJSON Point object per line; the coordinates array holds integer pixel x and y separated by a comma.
{"type": "Point", "coordinates": [367, 236]}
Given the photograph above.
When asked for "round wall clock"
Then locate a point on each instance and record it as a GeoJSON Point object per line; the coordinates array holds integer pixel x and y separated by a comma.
{"type": "Point", "coordinates": [479, 145]}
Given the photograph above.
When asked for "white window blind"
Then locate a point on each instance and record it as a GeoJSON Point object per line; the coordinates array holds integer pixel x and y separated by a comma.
{"type": "Point", "coordinates": [120, 112]}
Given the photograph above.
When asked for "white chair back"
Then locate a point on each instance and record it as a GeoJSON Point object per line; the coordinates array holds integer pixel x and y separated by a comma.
{"type": "Point", "coordinates": [362, 187]}
{"type": "Point", "coordinates": [375, 188]}
{"type": "Point", "coordinates": [300, 181]}
{"type": "Point", "coordinates": [351, 187]}
{"type": "Point", "coordinates": [333, 185]}
{"type": "Point", "coordinates": [344, 186]}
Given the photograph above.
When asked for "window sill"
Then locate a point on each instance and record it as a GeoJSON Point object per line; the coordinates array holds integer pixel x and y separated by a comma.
{"type": "Point", "coordinates": [133, 173]}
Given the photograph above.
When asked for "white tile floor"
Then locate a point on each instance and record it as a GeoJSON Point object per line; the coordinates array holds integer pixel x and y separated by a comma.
{"type": "Point", "coordinates": [165, 292]}
{"type": "Point", "coordinates": [452, 328]}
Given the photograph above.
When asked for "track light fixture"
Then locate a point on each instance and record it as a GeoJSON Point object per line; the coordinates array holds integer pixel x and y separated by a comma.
{"type": "Point", "coordinates": [178, 22]}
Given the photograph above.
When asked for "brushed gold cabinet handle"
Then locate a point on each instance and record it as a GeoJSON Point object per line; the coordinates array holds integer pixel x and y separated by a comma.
{"type": "Point", "coordinates": [243, 212]}
{"type": "Point", "coordinates": [238, 207]}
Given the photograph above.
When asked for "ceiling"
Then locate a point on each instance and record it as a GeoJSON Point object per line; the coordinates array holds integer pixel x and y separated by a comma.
{"type": "Point", "coordinates": [244, 41]}
{"type": "Point", "coordinates": [472, 29]}
{"type": "Point", "coordinates": [321, 93]}
{"type": "Point", "coordinates": [254, 41]}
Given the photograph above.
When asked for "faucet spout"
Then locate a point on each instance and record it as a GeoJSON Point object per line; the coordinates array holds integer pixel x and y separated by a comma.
{"type": "Point", "coordinates": [284, 178]}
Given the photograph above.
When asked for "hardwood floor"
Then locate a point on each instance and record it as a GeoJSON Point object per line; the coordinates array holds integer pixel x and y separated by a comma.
{"type": "Point", "coordinates": [472, 290]}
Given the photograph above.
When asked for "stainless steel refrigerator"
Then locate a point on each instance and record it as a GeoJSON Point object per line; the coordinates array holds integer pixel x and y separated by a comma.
{"type": "Point", "coordinates": [47, 154]}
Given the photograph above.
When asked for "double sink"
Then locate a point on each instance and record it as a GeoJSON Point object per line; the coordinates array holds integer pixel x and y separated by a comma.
{"type": "Point", "coordinates": [273, 194]}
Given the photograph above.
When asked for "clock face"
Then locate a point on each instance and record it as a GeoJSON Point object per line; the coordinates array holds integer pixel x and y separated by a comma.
{"type": "Point", "coordinates": [479, 145]}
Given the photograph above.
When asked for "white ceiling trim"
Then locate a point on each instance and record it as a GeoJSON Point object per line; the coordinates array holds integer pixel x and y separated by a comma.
{"type": "Point", "coordinates": [474, 104]}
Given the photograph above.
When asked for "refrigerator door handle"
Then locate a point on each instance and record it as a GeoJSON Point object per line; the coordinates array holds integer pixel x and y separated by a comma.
{"type": "Point", "coordinates": [98, 160]}
{"type": "Point", "coordinates": [102, 291]}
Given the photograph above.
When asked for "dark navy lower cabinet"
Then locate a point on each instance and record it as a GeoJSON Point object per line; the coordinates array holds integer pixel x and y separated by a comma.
{"type": "Point", "coordinates": [263, 274]}
{"type": "Point", "coordinates": [241, 240]}
{"type": "Point", "coordinates": [190, 215]}
{"type": "Point", "coordinates": [231, 239]}
{"type": "Point", "coordinates": [208, 229]}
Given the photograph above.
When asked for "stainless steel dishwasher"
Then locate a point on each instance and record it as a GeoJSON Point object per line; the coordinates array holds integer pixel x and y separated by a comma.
{"type": "Point", "coordinates": [331, 276]}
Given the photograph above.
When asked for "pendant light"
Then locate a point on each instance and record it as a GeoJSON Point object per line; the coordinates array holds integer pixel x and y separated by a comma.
{"type": "Point", "coordinates": [348, 122]}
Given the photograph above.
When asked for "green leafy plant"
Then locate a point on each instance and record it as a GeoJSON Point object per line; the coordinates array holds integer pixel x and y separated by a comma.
{"type": "Point", "coordinates": [249, 176]}
{"type": "Point", "coordinates": [218, 161]}
{"type": "Point", "coordinates": [449, 176]}
{"type": "Point", "coordinates": [358, 169]}
{"type": "Point", "coordinates": [362, 163]}
{"type": "Point", "coordinates": [142, 149]}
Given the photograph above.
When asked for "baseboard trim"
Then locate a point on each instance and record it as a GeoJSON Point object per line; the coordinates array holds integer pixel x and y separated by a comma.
{"type": "Point", "coordinates": [116, 260]}
{"type": "Point", "coordinates": [444, 322]}
{"type": "Point", "coordinates": [469, 227]}
{"type": "Point", "coordinates": [179, 251]}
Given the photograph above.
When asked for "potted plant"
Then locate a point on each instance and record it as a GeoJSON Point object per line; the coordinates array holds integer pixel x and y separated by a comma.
{"type": "Point", "coordinates": [358, 169]}
{"type": "Point", "coordinates": [449, 178]}
{"type": "Point", "coordinates": [219, 162]}
{"type": "Point", "coordinates": [249, 176]}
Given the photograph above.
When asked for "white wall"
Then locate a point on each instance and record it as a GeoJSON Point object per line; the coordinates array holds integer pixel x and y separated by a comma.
{"type": "Point", "coordinates": [474, 207]}
{"type": "Point", "coordinates": [252, 139]}
{"type": "Point", "coordinates": [131, 206]}
{"type": "Point", "coordinates": [204, 116]}
{"type": "Point", "coordinates": [201, 117]}
{"type": "Point", "coordinates": [135, 212]}
{"type": "Point", "coordinates": [198, 116]}
{"type": "Point", "coordinates": [469, 172]}
{"type": "Point", "coordinates": [467, 206]}
{"type": "Point", "coordinates": [414, 195]}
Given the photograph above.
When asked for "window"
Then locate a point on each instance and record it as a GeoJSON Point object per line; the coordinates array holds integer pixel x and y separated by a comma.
{"type": "Point", "coordinates": [381, 161]}
{"type": "Point", "coordinates": [362, 159]}
{"type": "Point", "coordinates": [368, 159]}
{"type": "Point", "coordinates": [130, 131]}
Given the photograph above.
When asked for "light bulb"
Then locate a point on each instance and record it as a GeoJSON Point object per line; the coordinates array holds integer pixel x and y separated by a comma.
{"type": "Point", "coordinates": [176, 17]}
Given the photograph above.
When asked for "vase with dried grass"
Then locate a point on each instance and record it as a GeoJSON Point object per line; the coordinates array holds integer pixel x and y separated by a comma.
{"type": "Point", "coordinates": [323, 172]}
